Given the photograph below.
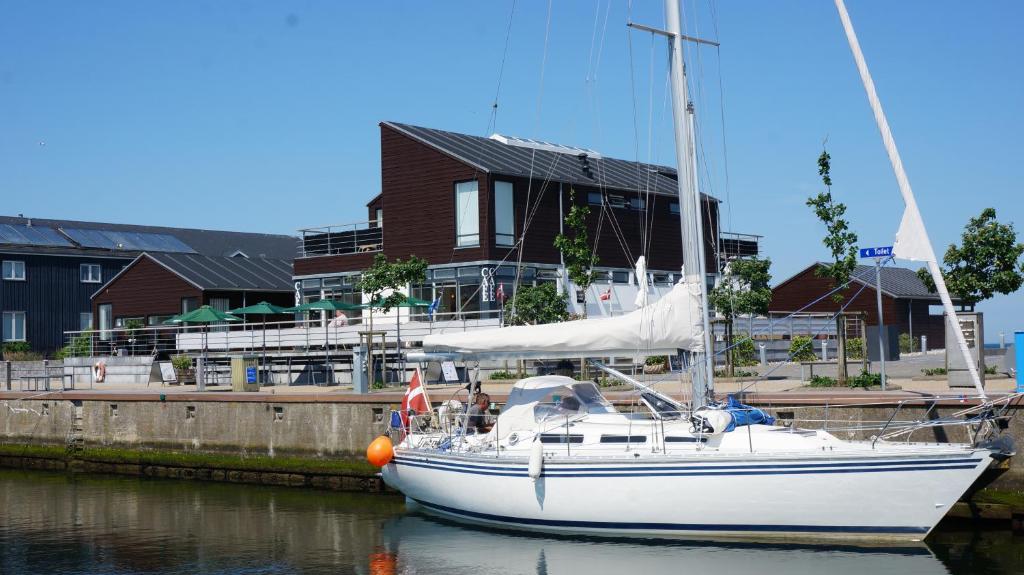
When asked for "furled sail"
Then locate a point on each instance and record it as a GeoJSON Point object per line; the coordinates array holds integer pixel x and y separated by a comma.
{"type": "Point", "coordinates": [662, 327]}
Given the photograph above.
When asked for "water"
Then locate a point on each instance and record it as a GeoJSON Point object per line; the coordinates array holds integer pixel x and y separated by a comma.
{"type": "Point", "coordinates": [56, 523]}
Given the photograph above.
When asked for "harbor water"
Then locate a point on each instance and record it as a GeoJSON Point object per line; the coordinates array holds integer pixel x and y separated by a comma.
{"type": "Point", "coordinates": [60, 523]}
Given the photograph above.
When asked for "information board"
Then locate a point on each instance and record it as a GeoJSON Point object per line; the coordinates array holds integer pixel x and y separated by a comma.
{"type": "Point", "coordinates": [449, 372]}
{"type": "Point", "coordinates": [167, 374]}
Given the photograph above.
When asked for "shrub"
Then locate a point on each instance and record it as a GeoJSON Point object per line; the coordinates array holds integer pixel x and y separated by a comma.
{"type": "Point", "coordinates": [855, 348]}
{"type": "Point", "coordinates": [744, 354]}
{"type": "Point", "coordinates": [801, 348]}
{"type": "Point", "coordinates": [80, 346]}
{"type": "Point", "coordinates": [181, 362]}
{"type": "Point", "coordinates": [908, 344]}
{"type": "Point", "coordinates": [822, 381]}
{"type": "Point", "coordinates": [865, 380]}
{"type": "Point", "coordinates": [17, 347]}
{"type": "Point", "coordinates": [934, 371]}
{"type": "Point", "coordinates": [736, 373]}
{"type": "Point", "coordinates": [990, 370]}
{"type": "Point", "coordinates": [655, 360]}
{"type": "Point", "coordinates": [502, 374]}
{"type": "Point", "coordinates": [20, 351]}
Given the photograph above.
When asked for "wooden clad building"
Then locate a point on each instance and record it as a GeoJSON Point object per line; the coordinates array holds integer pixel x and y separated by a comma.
{"type": "Point", "coordinates": [906, 302]}
{"type": "Point", "coordinates": [463, 202]}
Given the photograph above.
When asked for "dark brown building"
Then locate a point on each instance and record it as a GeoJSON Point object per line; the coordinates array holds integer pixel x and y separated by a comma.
{"type": "Point", "coordinates": [156, 286]}
{"type": "Point", "coordinates": [463, 202]}
{"type": "Point", "coordinates": [906, 302]}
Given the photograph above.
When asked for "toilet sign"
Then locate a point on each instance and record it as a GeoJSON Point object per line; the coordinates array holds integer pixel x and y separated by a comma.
{"type": "Point", "coordinates": [882, 252]}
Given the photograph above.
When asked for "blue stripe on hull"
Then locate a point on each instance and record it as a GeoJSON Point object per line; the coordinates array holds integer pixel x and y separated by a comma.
{"type": "Point", "coordinates": [677, 527]}
{"type": "Point", "coordinates": [798, 469]}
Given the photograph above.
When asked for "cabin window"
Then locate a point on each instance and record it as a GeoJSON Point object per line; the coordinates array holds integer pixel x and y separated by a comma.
{"type": "Point", "coordinates": [467, 214]}
{"type": "Point", "coordinates": [14, 270]}
{"type": "Point", "coordinates": [560, 438]}
{"type": "Point", "coordinates": [14, 326]}
{"type": "Point", "coordinates": [90, 273]}
{"type": "Point", "coordinates": [623, 439]}
{"type": "Point", "coordinates": [684, 439]}
{"type": "Point", "coordinates": [504, 214]}
{"type": "Point", "coordinates": [106, 320]}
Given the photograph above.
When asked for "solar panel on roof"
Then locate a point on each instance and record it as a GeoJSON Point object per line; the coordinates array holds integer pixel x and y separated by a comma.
{"type": "Point", "coordinates": [133, 241]}
{"type": "Point", "coordinates": [31, 235]}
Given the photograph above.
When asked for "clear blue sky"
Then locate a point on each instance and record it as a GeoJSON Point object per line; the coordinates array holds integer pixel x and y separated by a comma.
{"type": "Point", "coordinates": [263, 116]}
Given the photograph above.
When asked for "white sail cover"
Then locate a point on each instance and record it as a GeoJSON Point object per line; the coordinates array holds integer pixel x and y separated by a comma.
{"type": "Point", "coordinates": [912, 239]}
{"type": "Point", "coordinates": [660, 328]}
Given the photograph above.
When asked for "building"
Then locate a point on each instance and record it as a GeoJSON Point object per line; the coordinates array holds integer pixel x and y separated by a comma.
{"type": "Point", "coordinates": [462, 202]}
{"type": "Point", "coordinates": [906, 302]}
{"type": "Point", "coordinates": [51, 268]}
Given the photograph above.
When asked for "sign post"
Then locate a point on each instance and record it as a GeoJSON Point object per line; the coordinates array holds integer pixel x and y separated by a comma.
{"type": "Point", "coordinates": [879, 254]}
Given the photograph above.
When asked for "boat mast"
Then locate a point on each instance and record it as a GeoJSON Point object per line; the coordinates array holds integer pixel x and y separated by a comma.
{"type": "Point", "coordinates": [912, 240]}
{"type": "Point", "coordinates": [690, 206]}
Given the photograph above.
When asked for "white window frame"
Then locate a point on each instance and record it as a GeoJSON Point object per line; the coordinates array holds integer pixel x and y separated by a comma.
{"type": "Point", "coordinates": [13, 268]}
{"type": "Point", "coordinates": [504, 214]}
{"type": "Point", "coordinates": [86, 276]}
{"type": "Point", "coordinates": [10, 331]}
{"type": "Point", "coordinates": [467, 214]}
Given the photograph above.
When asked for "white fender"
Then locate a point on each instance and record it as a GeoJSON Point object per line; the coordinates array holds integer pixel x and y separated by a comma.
{"type": "Point", "coordinates": [536, 459]}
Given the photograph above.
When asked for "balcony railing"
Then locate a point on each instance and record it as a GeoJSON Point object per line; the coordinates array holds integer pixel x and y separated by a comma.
{"type": "Point", "coordinates": [354, 238]}
{"type": "Point", "coordinates": [733, 245]}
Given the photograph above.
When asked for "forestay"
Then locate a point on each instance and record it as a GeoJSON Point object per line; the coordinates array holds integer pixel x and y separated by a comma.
{"type": "Point", "coordinates": [657, 329]}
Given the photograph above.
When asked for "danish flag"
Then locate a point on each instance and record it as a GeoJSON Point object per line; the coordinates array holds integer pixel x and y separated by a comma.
{"type": "Point", "coordinates": [415, 398]}
{"type": "Point", "coordinates": [500, 294]}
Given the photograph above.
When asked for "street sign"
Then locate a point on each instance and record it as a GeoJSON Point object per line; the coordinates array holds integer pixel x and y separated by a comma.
{"type": "Point", "coordinates": [882, 252]}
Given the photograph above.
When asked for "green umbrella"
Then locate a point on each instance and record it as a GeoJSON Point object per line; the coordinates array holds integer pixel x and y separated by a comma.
{"type": "Point", "coordinates": [262, 309]}
{"type": "Point", "coordinates": [409, 302]}
{"type": "Point", "coordinates": [325, 305]}
{"type": "Point", "coordinates": [204, 315]}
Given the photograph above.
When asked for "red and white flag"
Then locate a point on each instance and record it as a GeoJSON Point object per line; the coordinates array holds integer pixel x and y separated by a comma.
{"type": "Point", "coordinates": [415, 398]}
{"type": "Point", "coordinates": [499, 294]}
{"type": "Point", "coordinates": [606, 294]}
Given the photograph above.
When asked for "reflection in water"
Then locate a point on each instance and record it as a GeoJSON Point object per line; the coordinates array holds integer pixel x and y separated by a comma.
{"type": "Point", "coordinates": [58, 523]}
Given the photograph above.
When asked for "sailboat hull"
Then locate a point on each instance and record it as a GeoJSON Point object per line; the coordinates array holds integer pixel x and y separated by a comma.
{"type": "Point", "coordinates": [877, 496]}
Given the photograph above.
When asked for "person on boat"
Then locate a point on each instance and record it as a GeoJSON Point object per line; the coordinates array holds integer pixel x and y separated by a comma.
{"type": "Point", "coordinates": [478, 417]}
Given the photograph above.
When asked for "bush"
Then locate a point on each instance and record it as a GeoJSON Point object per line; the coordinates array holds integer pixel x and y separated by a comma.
{"type": "Point", "coordinates": [908, 344]}
{"type": "Point", "coordinates": [20, 351]}
{"type": "Point", "coordinates": [990, 370]}
{"type": "Point", "coordinates": [855, 348]}
{"type": "Point", "coordinates": [655, 360]}
{"type": "Point", "coordinates": [801, 348]}
{"type": "Point", "coordinates": [744, 354]}
{"type": "Point", "coordinates": [17, 347]}
{"type": "Point", "coordinates": [736, 373]}
{"type": "Point", "coordinates": [80, 346]}
{"type": "Point", "coordinates": [502, 374]}
{"type": "Point", "coordinates": [181, 362]}
{"type": "Point", "coordinates": [822, 381]}
{"type": "Point", "coordinates": [865, 380]}
{"type": "Point", "coordinates": [934, 371]}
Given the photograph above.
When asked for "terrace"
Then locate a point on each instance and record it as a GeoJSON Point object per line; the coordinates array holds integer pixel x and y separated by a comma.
{"type": "Point", "coordinates": [341, 239]}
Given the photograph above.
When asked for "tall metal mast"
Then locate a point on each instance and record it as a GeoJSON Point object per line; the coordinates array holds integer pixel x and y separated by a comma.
{"type": "Point", "coordinates": [690, 205]}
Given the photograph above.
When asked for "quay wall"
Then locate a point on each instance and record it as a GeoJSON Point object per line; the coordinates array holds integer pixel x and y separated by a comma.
{"type": "Point", "coordinates": [339, 427]}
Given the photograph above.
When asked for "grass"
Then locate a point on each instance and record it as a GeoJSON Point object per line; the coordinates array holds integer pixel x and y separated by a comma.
{"type": "Point", "coordinates": [1014, 499]}
{"type": "Point", "coordinates": [284, 464]}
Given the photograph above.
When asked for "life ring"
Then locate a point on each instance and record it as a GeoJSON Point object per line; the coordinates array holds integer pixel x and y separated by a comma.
{"type": "Point", "coordinates": [99, 371]}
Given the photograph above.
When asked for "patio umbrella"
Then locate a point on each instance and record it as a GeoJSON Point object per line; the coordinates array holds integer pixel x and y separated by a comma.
{"type": "Point", "coordinates": [409, 302]}
{"type": "Point", "coordinates": [262, 309]}
{"type": "Point", "coordinates": [324, 305]}
{"type": "Point", "coordinates": [204, 315]}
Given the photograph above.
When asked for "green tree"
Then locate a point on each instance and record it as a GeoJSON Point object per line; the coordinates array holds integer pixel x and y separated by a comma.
{"type": "Point", "coordinates": [383, 276]}
{"type": "Point", "coordinates": [536, 304]}
{"type": "Point", "coordinates": [743, 290]}
{"type": "Point", "coordinates": [987, 262]}
{"type": "Point", "coordinates": [577, 253]}
{"type": "Point", "coordinates": [842, 242]}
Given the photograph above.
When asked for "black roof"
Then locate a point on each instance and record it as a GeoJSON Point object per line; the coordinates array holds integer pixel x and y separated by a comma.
{"type": "Point", "coordinates": [226, 273]}
{"type": "Point", "coordinates": [896, 282]}
{"type": "Point", "coordinates": [493, 156]}
{"type": "Point", "coordinates": [212, 243]}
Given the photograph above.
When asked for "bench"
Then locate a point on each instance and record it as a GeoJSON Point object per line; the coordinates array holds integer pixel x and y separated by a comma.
{"type": "Point", "coordinates": [35, 381]}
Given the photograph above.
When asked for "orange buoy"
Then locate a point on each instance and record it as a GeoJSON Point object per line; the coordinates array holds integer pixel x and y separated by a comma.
{"type": "Point", "coordinates": [380, 451]}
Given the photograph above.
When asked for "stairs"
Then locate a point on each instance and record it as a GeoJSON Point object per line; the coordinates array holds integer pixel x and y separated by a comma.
{"type": "Point", "coordinates": [75, 440]}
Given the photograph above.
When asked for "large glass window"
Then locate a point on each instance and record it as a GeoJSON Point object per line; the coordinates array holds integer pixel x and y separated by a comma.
{"type": "Point", "coordinates": [85, 321]}
{"type": "Point", "coordinates": [220, 304]}
{"type": "Point", "coordinates": [106, 320]}
{"type": "Point", "coordinates": [189, 304]}
{"type": "Point", "coordinates": [14, 270]}
{"type": "Point", "coordinates": [504, 214]}
{"type": "Point", "coordinates": [14, 325]}
{"type": "Point", "coordinates": [90, 273]}
{"type": "Point", "coordinates": [467, 214]}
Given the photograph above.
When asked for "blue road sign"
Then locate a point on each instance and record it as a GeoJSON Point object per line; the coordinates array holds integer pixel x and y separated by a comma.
{"type": "Point", "coordinates": [882, 252]}
{"type": "Point", "coordinates": [250, 375]}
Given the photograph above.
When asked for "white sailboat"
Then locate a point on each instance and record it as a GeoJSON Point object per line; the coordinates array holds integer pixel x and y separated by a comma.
{"type": "Point", "coordinates": [561, 458]}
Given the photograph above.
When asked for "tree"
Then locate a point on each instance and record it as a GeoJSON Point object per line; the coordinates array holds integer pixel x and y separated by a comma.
{"type": "Point", "coordinates": [536, 304]}
{"type": "Point", "coordinates": [393, 276]}
{"type": "Point", "coordinates": [987, 262]}
{"type": "Point", "coordinates": [579, 258]}
{"type": "Point", "coordinates": [743, 290]}
{"type": "Point", "coordinates": [843, 244]}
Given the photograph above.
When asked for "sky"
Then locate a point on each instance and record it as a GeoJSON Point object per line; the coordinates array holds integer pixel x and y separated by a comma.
{"type": "Point", "coordinates": [263, 116]}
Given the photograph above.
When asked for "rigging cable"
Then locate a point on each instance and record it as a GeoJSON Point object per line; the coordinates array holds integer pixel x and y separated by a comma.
{"type": "Point", "coordinates": [492, 124]}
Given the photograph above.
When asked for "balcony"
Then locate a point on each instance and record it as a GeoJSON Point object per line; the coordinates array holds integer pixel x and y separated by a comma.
{"type": "Point", "coordinates": [733, 246]}
{"type": "Point", "coordinates": [342, 239]}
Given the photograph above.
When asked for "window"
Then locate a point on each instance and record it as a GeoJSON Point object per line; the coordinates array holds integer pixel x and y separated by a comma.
{"type": "Point", "coordinates": [380, 217]}
{"type": "Point", "coordinates": [90, 273]}
{"type": "Point", "coordinates": [188, 304]}
{"type": "Point", "coordinates": [220, 304]}
{"type": "Point", "coordinates": [84, 321]}
{"type": "Point", "coordinates": [673, 207]}
{"type": "Point", "coordinates": [14, 325]}
{"type": "Point", "coordinates": [14, 270]}
{"type": "Point", "coordinates": [594, 198]}
{"type": "Point", "coordinates": [467, 215]}
{"type": "Point", "coordinates": [157, 320]}
{"type": "Point", "coordinates": [638, 204]}
{"type": "Point", "coordinates": [616, 201]}
{"type": "Point", "coordinates": [504, 215]}
{"type": "Point", "coordinates": [106, 320]}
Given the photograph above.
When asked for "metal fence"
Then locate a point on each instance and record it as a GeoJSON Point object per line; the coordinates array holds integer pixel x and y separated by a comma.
{"type": "Point", "coordinates": [341, 239]}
